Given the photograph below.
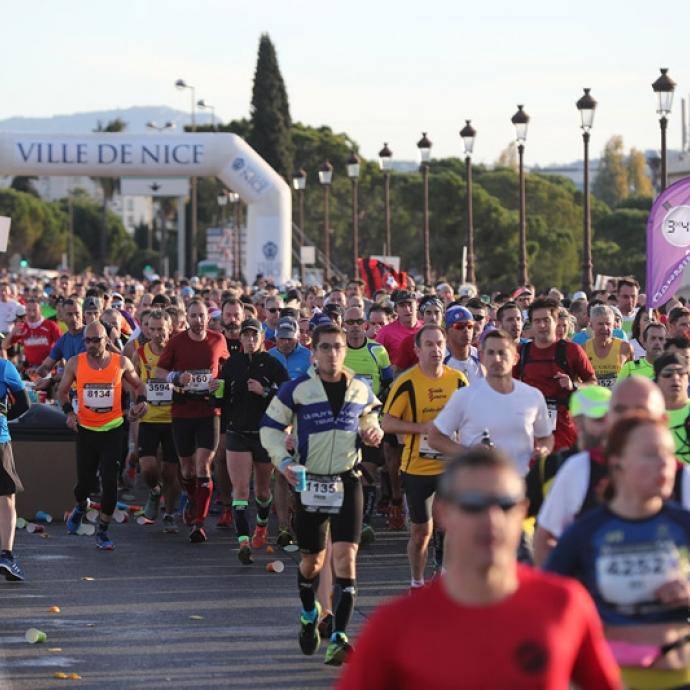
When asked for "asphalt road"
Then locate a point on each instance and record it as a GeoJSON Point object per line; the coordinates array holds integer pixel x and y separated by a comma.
{"type": "Point", "coordinates": [161, 613]}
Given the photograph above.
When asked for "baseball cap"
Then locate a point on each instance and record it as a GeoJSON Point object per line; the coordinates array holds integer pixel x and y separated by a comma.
{"type": "Point", "coordinates": [334, 309]}
{"type": "Point", "coordinates": [456, 314]}
{"type": "Point", "coordinates": [319, 319]}
{"type": "Point", "coordinates": [21, 311]}
{"type": "Point", "coordinates": [287, 328]}
{"type": "Point", "coordinates": [590, 401]}
{"type": "Point", "coordinates": [251, 325]}
{"type": "Point", "coordinates": [214, 314]}
{"type": "Point", "coordinates": [92, 304]}
{"type": "Point", "coordinates": [579, 295]}
{"type": "Point", "coordinates": [400, 296]}
{"type": "Point", "coordinates": [522, 291]}
{"type": "Point", "coordinates": [431, 300]}
{"type": "Point", "coordinates": [187, 291]}
{"type": "Point", "coordinates": [467, 291]}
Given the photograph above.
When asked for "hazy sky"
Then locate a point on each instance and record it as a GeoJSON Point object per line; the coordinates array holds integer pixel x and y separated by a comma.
{"type": "Point", "coordinates": [380, 71]}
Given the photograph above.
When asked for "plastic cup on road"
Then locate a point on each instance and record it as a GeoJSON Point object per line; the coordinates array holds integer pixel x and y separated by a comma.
{"type": "Point", "coordinates": [300, 472]}
{"type": "Point", "coordinates": [92, 516]}
{"type": "Point", "coordinates": [34, 527]}
{"type": "Point", "coordinates": [121, 516]}
{"type": "Point", "coordinates": [42, 516]}
{"type": "Point", "coordinates": [275, 567]}
{"type": "Point", "coordinates": [220, 391]}
{"type": "Point", "coordinates": [34, 636]}
{"type": "Point", "coordinates": [86, 530]}
{"type": "Point", "coordinates": [21, 523]}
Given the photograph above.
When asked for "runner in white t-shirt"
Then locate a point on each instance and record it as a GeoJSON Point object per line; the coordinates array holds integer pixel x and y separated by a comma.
{"type": "Point", "coordinates": [511, 413]}
{"type": "Point", "coordinates": [8, 308]}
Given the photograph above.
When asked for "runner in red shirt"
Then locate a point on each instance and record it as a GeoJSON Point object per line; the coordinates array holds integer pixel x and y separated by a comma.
{"type": "Point", "coordinates": [36, 334]}
{"type": "Point", "coordinates": [487, 622]}
{"type": "Point", "coordinates": [191, 361]}
{"type": "Point", "coordinates": [555, 367]}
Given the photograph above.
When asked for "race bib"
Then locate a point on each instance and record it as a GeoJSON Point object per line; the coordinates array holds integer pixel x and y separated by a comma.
{"type": "Point", "coordinates": [158, 392]}
{"type": "Point", "coordinates": [98, 397]}
{"type": "Point", "coordinates": [324, 493]}
{"type": "Point", "coordinates": [631, 574]}
{"type": "Point", "coordinates": [200, 380]}
{"type": "Point", "coordinates": [426, 451]}
{"type": "Point", "coordinates": [607, 380]}
{"type": "Point", "coordinates": [552, 411]}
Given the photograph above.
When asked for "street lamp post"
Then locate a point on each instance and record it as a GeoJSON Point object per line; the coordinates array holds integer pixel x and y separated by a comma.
{"type": "Point", "coordinates": [586, 105]}
{"type": "Point", "coordinates": [181, 84]}
{"type": "Point", "coordinates": [521, 120]}
{"type": "Point", "coordinates": [205, 106]}
{"type": "Point", "coordinates": [325, 177]}
{"type": "Point", "coordinates": [468, 133]}
{"type": "Point", "coordinates": [663, 87]}
{"type": "Point", "coordinates": [424, 146]}
{"type": "Point", "coordinates": [299, 182]}
{"type": "Point", "coordinates": [234, 199]}
{"type": "Point", "coordinates": [164, 234]}
{"type": "Point", "coordinates": [385, 164]}
{"type": "Point", "coordinates": [353, 167]}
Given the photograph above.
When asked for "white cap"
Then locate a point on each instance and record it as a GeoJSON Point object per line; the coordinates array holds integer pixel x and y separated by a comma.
{"type": "Point", "coordinates": [579, 295]}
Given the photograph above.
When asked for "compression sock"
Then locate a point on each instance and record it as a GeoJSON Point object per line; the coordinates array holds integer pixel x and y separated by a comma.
{"type": "Point", "coordinates": [344, 594]}
{"type": "Point", "coordinates": [307, 594]}
{"type": "Point", "coordinates": [369, 503]}
{"type": "Point", "coordinates": [202, 498]}
{"type": "Point", "coordinates": [189, 485]}
{"type": "Point", "coordinates": [438, 539]}
{"type": "Point", "coordinates": [239, 511]}
{"type": "Point", "coordinates": [263, 509]}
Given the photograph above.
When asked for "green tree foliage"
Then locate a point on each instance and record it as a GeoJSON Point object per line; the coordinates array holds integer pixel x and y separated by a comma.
{"type": "Point", "coordinates": [640, 182]}
{"type": "Point", "coordinates": [612, 184]}
{"type": "Point", "coordinates": [270, 113]}
{"type": "Point", "coordinates": [620, 243]}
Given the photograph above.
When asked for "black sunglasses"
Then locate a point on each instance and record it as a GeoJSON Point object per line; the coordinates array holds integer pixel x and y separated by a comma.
{"type": "Point", "coordinates": [477, 503]}
{"type": "Point", "coordinates": [94, 340]}
{"type": "Point", "coordinates": [273, 310]}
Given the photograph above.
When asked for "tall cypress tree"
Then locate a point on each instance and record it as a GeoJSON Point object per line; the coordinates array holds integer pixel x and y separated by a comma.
{"type": "Point", "coordinates": [270, 132]}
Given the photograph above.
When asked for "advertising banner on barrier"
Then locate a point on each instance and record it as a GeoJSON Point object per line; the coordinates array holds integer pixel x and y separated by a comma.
{"type": "Point", "coordinates": [668, 242]}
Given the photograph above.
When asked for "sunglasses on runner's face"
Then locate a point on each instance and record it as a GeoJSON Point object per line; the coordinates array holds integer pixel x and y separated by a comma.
{"type": "Point", "coordinates": [273, 310]}
{"type": "Point", "coordinates": [462, 325]}
{"type": "Point", "coordinates": [354, 322]}
{"type": "Point", "coordinates": [94, 340]}
{"type": "Point", "coordinates": [474, 504]}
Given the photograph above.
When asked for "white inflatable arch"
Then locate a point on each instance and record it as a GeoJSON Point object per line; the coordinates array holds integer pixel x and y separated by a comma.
{"type": "Point", "coordinates": [225, 156]}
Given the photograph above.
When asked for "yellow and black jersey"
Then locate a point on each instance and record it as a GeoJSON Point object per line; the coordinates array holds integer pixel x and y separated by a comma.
{"type": "Point", "coordinates": [415, 397]}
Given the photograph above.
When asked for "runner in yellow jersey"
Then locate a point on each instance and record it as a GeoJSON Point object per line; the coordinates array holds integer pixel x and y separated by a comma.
{"type": "Point", "coordinates": [155, 427]}
{"type": "Point", "coordinates": [606, 353]}
{"type": "Point", "coordinates": [415, 398]}
{"type": "Point", "coordinates": [98, 421]}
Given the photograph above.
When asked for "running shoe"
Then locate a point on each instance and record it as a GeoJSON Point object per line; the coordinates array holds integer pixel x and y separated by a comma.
{"type": "Point", "coordinates": [170, 524]}
{"type": "Point", "coordinates": [368, 536]}
{"type": "Point", "coordinates": [188, 513]}
{"type": "Point", "coordinates": [396, 518]}
{"type": "Point", "coordinates": [338, 650]}
{"type": "Point", "coordinates": [309, 638]}
{"type": "Point", "coordinates": [10, 569]}
{"type": "Point", "coordinates": [326, 625]}
{"type": "Point", "coordinates": [74, 520]}
{"type": "Point", "coordinates": [245, 554]}
{"type": "Point", "coordinates": [260, 536]}
{"type": "Point", "coordinates": [104, 542]}
{"type": "Point", "coordinates": [284, 538]}
{"type": "Point", "coordinates": [152, 507]}
{"type": "Point", "coordinates": [225, 519]}
{"type": "Point", "coordinates": [198, 535]}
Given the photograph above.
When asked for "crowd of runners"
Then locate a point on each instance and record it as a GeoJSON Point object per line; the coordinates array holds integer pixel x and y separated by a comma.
{"type": "Point", "coordinates": [511, 436]}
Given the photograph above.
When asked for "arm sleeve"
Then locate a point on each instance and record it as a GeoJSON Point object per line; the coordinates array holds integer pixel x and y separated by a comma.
{"type": "Point", "coordinates": [542, 423]}
{"type": "Point", "coordinates": [566, 496]}
{"type": "Point", "coordinates": [595, 666]}
{"type": "Point", "coordinates": [370, 414]}
{"type": "Point", "coordinates": [450, 418]}
{"type": "Point", "coordinates": [279, 415]}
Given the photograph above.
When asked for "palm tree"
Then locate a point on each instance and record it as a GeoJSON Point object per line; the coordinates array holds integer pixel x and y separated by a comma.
{"type": "Point", "coordinates": [109, 185]}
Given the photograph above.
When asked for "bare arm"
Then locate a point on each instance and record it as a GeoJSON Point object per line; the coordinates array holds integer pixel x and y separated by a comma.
{"type": "Point", "coordinates": [393, 425]}
{"type": "Point", "coordinates": [69, 376]}
{"type": "Point", "coordinates": [544, 444]}
{"type": "Point", "coordinates": [444, 444]}
{"type": "Point", "coordinates": [544, 543]}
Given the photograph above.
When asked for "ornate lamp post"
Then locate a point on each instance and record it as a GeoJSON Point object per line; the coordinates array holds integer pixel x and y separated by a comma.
{"type": "Point", "coordinates": [353, 167]}
{"type": "Point", "coordinates": [586, 105]}
{"type": "Point", "coordinates": [299, 183]}
{"type": "Point", "coordinates": [182, 84]}
{"type": "Point", "coordinates": [424, 146]}
{"type": "Point", "coordinates": [468, 133]}
{"type": "Point", "coordinates": [325, 177]}
{"type": "Point", "coordinates": [521, 120]}
{"type": "Point", "coordinates": [386, 164]}
{"type": "Point", "coordinates": [663, 87]}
